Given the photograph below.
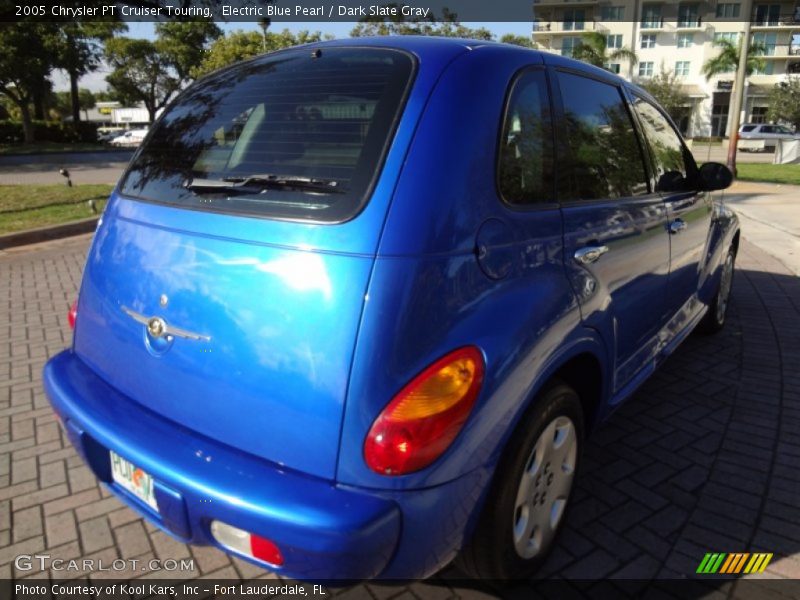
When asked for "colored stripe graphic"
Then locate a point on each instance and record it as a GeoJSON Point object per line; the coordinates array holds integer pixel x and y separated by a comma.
{"type": "Point", "coordinates": [734, 563]}
{"type": "Point", "coordinates": [758, 563]}
{"type": "Point", "coordinates": [711, 562]}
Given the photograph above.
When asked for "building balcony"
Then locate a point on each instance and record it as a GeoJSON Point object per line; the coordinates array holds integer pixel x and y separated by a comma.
{"type": "Point", "coordinates": [543, 28]}
{"type": "Point", "coordinates": [570, 3]}
{"type": "Point", "coordinates": [791, 21]}
{"type": "Point", "coordinates": [652, 25]}
{"type": "Point", "coordinates": [781, 52]}
{"type": "Point", "coordinates": [694, 24]}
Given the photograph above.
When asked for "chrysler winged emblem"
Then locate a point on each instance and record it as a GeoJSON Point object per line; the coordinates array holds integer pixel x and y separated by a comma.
{"type": "Point", "coordinates": [158, 328]}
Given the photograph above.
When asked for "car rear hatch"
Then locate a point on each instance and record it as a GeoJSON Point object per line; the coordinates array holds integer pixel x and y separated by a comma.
{"type": "Point", "coordinates": [225, 285]}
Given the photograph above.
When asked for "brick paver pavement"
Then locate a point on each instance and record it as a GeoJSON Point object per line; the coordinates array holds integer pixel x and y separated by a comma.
{"type": "Point", "coordinates": [705, 457]}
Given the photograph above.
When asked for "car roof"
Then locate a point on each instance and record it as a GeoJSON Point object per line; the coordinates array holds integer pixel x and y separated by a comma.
{"type": "Point", "coordinates": [432, 46]}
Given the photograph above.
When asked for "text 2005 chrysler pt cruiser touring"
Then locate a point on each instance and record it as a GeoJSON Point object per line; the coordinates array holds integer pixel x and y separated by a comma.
{"type": "Point", "coordinates": [355, 306]}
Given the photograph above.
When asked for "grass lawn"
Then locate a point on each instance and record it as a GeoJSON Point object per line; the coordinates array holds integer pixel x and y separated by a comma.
{"type": "Point", "coordinates": [47, 147]}
{"type": "Point", "coordinates": [29, 206]}
{"type": "Point", "coordinates": [768, 173]}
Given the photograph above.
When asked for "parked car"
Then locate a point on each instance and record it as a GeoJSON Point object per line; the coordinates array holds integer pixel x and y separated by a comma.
{"type": "Point", "coordinates": [370, 332]}
{"type": "Point", "coordinates": [131, 139]}
{"type": "Point", "coordinates": [761, 137]}
{"type": "Point", "coordinates": [106, 134]}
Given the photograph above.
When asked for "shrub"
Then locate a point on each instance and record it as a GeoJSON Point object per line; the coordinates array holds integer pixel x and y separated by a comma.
{"type": "Point", "coordinates": [49, 131]}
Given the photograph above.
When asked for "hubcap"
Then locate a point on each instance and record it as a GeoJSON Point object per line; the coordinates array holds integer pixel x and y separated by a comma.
{"type": "Point", "coordinates": [724, 288]}
{"type": "Point", "coordinates": [544, 488]}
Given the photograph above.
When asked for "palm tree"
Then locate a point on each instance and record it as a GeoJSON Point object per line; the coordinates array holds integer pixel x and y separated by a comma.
{"type": "Point", "coordinates": [593, 49]}
{"type": "Point", "coordinates": [727, 60]}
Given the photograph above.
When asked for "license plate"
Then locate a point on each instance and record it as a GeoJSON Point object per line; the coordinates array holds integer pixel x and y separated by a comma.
{"type": "Point", "coordinates": [133, 479]}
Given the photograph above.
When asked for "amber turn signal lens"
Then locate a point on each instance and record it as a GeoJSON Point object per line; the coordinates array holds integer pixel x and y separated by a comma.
{"type": "Point", "coordinates": [421, 422]}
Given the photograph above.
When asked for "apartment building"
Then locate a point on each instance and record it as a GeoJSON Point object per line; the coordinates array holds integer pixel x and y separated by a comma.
{"type": "Point", "coordinates": [680, 36]}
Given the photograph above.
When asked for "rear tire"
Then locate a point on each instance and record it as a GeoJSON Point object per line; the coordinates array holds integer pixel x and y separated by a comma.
{"type": "Point", "coordinates": [714, 319]}
{"type": "Point", "coordinates": [531, 489]}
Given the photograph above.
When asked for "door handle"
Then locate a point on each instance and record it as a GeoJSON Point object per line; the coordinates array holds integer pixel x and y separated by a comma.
{"type": "Point", "coordinates": [589, 254]}
{"type": "Point", "coordinates": [677, 226]}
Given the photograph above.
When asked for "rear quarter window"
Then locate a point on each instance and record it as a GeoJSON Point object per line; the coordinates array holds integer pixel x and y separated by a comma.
{"type": "Point", "coordinates": [296, 135]}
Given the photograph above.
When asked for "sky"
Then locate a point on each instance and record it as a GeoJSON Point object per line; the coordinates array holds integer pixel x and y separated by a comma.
{"type": "Point", "coordinates": [96, 81]}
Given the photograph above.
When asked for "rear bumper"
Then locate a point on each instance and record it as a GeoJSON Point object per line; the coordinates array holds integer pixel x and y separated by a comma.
{"type": "Point", "coordinates": [324, 531]}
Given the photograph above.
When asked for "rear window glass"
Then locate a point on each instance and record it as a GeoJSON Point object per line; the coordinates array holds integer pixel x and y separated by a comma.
{"type": "Point", "coordinates": [297, 135]}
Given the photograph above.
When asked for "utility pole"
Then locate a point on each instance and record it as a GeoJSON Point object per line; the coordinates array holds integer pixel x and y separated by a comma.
{"type": "Point", "coordinates": [738, 88]}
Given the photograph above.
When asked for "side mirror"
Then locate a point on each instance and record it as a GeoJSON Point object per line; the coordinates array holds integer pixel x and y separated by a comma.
{"type": "Point", "coordinates": [715, 176]}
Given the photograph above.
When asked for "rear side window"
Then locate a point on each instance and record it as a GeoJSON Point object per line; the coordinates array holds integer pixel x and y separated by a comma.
{"type": "Point", "coordinates": [295, 135]}
{"type": "Point", "coordinates": [525, 162]}
{"type": "Point", "coordinates": [748, 128]}
{"type": "Point", "coordinates": [603, 158]}
{"type": "Point", "coordinates": [675, 169]}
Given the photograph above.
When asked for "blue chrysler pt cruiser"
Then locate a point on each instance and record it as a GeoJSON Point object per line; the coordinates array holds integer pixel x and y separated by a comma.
{"type": "Point", "coordinates": [354, 307]}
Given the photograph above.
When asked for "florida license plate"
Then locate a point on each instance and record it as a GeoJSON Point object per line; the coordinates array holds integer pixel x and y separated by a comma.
{"type": "Point", "coordinates": [134, 480]}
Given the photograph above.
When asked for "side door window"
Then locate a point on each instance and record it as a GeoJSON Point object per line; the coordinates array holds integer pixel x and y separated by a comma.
{"type": "Point", "coordinates": [525, 158]}
{"type": "Point", "coordinates": [675, 169]}
{"type": "Point", "coordinates": [602, 158]}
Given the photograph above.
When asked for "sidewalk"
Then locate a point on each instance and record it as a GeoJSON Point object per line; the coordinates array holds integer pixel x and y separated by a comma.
{"type": "Point", "coordinates": [770, 218]}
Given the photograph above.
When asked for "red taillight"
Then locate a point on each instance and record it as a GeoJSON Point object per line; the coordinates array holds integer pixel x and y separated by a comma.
{"type": "Point", "coordinates": [421, 422]}
{"type": "Point", "coordinates": [265, 550]}
{"type": "Point", "coordinates": [72, 315]}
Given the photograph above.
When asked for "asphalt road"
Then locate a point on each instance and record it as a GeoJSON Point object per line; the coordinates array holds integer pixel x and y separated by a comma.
{"type": "Point", "coordinates": [84, 167]}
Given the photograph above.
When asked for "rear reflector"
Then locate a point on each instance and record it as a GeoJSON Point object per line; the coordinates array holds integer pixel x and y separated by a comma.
{"type": "Point", "coordinates": [72, 315]}
{"type": "Point", "coordinates": [246, 543]}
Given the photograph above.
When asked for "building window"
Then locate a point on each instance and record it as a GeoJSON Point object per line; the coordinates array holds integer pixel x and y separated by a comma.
{"type": "Point", "coordinates": [648, 40]}
{"type": "Point", "coordinates": [646, 69]}
{"type": "Point", "coordinates": [574, 19]}
{"type": "Point", "coordinates": [612, 13]}
{"type": "Point", "coordinates": [728, 10]}
{"type": "Point", "coordinates": [687, 15]}
{"type": "Point", "coordinates": [768, 40]}
{"type": "Point", "coordinates": [613, 67]}
{"type": "Point", "coordinates": [568, 45]}
{"type": "Point", "coordinates": [759, 114]}
{"type": "Point", "coordinates": [682, 68]}
{"type": "Point", "coordinates": [767, 14]}
{"type": "Point", "coordinates": [685, 40]}
{"type": "Point", "coordinates": [651, 16]}
{"type": "Point", "coordinates": [769, 68]}
{"type": "Point", "coordinates": [728, 36]}
{"type": "Point", "coordinates": [614, 41]}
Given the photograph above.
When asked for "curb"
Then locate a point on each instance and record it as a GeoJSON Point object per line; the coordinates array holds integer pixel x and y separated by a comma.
{"type": "Point", "coordinates": [52, 232]}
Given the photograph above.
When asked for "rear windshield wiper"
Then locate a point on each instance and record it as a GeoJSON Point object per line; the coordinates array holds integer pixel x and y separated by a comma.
{"type": "Point", "coordinates": [259, 183]}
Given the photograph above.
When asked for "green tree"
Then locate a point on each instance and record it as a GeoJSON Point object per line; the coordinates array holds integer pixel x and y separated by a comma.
{"type": "Point", "coordinates": [727, 61]}
{"type": "Point", "coordinates": [140, 73]}
{"type": "Point", "coordinates": [80, 50]}
{"type": "Point", "coordinates": [594, 50]}
{"type": "Point", "coordinates": [26, 60]}
{"type": "Point", "coordinates": [241, 45]}
{"type": "Point", "coordinates": [183, 44]}
{"type": "Point", "coordinates": [517, 40]}
{"type": "Point", "coordinates": [784, 102]}
{"type": "Point", "coordinates": [666, 88]}
{"type": "Point", "coordinates": [447, 26]}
